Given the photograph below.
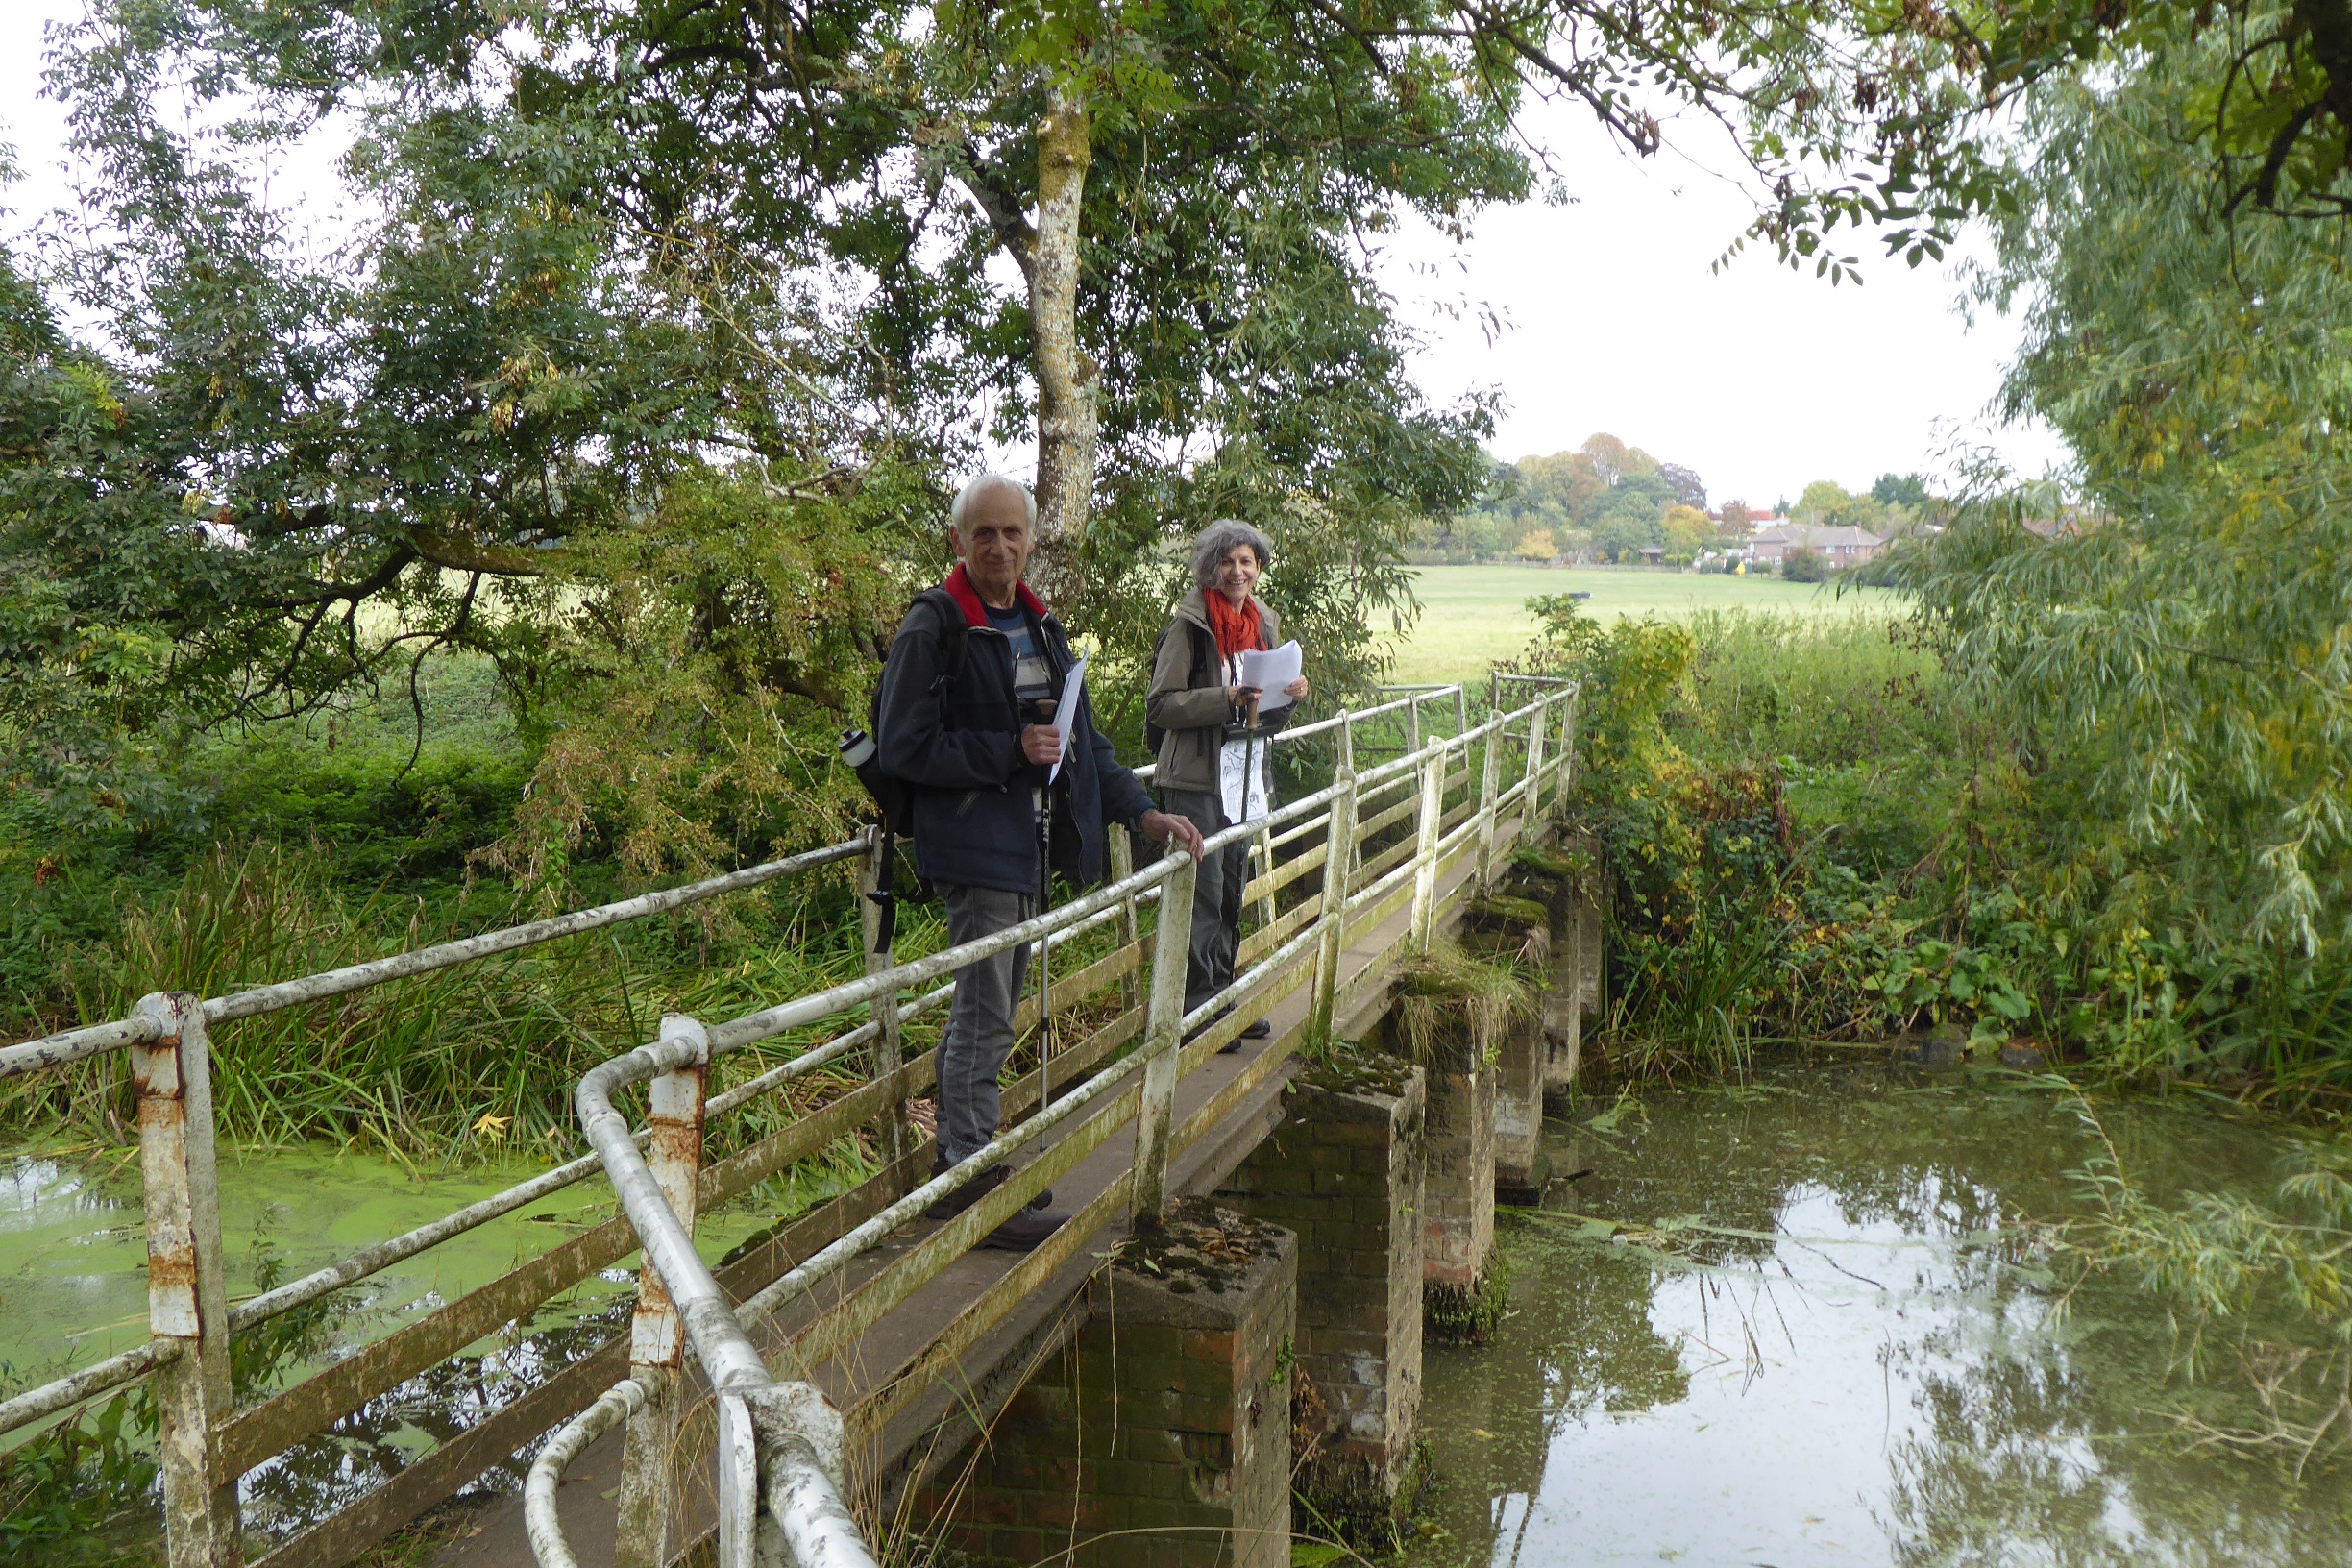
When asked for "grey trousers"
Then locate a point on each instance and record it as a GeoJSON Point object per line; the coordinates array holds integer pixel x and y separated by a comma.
{"type": "Point", "coordinates": [1216, 897]}
{"type": "Point", "coordinates": [979, 1031]}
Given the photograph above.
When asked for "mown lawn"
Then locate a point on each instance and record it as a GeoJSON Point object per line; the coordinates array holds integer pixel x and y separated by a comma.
{"type": "Point", "coordinates": [1473, 615]}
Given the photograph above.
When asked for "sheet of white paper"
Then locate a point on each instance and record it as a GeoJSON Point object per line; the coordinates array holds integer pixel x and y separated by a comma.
{"type": "Point", "coordinates": [1270, 671]}
{"type": "Point", "coordinates": [1241, 779]}
{"type": "Point", "coordinates": [1065, 714]}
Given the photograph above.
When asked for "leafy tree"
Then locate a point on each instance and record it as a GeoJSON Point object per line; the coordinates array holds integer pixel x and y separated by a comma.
{"type": "Point", "coordinates": [1609, 457]}
{"type": "Point", "coordinates": [2177, 671]}
{"type": "Point", "coordinates": [1688, 489]}
{"type": "Point", "coordinates": [1900, 490]}
{"type": "Point", "coordinates": [1685, 530]}
{"type": "Point", "coordinates": [1537, 545]}
{"type": "Point", "coordinates": [1822, 499]}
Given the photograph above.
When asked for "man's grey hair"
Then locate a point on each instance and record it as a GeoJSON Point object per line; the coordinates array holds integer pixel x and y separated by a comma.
{"type": "Point", "coordinates": [1217, 540]}
{"type": "Point", "coordinates": [980, 483]}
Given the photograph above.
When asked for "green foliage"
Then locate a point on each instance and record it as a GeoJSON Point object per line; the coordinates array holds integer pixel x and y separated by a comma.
{"type": "Point", "coordinates": [1802, 564]}
{"type": "Point", "coordinates": [2168, 672]}
{"type": "Point", "coordinates": [480, 1053]}
{"type": "Point", "coordinates": [67, 1493]}
{"type": "Point", "coordinates": [1612, 497]}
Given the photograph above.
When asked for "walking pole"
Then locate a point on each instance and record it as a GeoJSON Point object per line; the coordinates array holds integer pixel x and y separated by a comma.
{"type": "Point", "coordinates": [1045, 949]}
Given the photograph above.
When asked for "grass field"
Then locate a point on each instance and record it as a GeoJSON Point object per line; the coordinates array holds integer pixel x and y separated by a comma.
{"type": "Point", "coordinates": [1473, 615]}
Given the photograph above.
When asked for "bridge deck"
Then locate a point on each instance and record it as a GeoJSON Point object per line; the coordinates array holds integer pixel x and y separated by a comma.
{"type": "Point", "coordinates": [919, 1440]}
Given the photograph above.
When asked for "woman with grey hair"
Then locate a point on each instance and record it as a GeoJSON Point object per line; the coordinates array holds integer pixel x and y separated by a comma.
{"type": "Point", "coordinates": [1213, 745]}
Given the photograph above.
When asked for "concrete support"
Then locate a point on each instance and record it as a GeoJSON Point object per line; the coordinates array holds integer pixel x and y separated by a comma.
{"type": "Point", "coordinates": [1457, 1194]}
{"type": "Point", "coordinates": [1343, 1173]}
{"type": "Point", "coordinates": [1522, 1168]}
{"type": "Point", "coordinates": [1161, 1437]}
{"type": "Point", "coordinates": [1517, 930]}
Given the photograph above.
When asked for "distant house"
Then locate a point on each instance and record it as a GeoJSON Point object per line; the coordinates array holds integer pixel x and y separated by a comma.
{"type": "Point", "coordinates": [1844, 546]}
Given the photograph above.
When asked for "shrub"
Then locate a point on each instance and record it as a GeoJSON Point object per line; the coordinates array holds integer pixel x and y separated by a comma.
{"type": "Point", "coordinates": [1802, 565]}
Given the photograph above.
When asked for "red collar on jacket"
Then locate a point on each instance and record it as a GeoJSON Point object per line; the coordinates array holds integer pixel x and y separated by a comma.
{"type": "Point", "coordinates": [975, 613]}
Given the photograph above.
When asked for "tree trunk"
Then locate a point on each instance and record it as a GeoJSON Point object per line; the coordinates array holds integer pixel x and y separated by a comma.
{"type": "Point", "coordinates": [1066, 375]}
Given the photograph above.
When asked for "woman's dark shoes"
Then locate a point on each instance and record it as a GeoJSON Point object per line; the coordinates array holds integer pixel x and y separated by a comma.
{"type": "Point", "coordinates": [1256, 1029]}
{"type": "Point", "coordinates": [978, 1188]}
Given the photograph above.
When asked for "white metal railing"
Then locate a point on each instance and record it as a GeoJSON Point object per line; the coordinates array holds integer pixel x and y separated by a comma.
{"type": "Point", "coordinates": [803, 1503]}
{"type": "Point", "coordinates": [782, 1438]}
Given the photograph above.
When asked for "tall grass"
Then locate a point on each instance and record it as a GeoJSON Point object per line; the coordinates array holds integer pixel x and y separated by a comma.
{"type": "Point", "coordinates": [481, 1053]}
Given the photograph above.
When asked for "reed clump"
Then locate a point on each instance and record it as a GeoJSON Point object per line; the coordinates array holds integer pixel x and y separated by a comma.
{"type": "Point", "coordinates": [1452, 1007]}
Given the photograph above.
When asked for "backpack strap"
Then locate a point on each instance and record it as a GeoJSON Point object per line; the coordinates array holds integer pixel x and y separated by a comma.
{"type": "Point", "coordinates": [954, 634]}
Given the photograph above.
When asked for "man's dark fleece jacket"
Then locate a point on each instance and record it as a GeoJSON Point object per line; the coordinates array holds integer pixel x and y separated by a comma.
{"type": "Point", "coordinates": [960, 749]}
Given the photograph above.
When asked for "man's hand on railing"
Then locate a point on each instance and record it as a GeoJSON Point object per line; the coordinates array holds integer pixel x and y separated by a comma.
{"type": "Point", "coordinates": [1166, 827]}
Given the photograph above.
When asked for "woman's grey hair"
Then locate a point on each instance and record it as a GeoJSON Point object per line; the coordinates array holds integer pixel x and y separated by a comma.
{"type": "Point", "coordinates": [981, 482]}
{"type": "Point", "coordinates": [1218, 539]}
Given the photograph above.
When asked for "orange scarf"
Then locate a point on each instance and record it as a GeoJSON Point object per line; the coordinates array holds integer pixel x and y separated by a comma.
{"type": "Point", "coordinates": [1237, 630]}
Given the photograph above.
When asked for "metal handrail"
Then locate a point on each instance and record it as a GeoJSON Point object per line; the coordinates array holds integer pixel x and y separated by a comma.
{"type": "Point", "coordinates": [172, 1029]}
{"type": "Point", "coordinates": [728, 1357]}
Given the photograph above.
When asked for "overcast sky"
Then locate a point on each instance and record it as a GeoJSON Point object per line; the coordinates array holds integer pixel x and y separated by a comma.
{"type": "Point", "coordinates": [1598, 314]}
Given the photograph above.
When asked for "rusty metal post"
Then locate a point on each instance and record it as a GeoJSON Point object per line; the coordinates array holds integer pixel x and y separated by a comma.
{"type": "Point", "coordinates": [1338, 838]}
{"type": "Point", "coordinates": [658, 1344]}
{"type": "Point", "coordinates": [1491, 778]}
{"type": "Point", "coordinates": [1122, 845]}
{"type": "Point", "coordinates": [1425, 851]}
{"type": "Point", "coordinates": [1163, 1040]}
{"type": "Point", "coordinates": [898, 1132]}
{"type": "Point", "coordinates": [187, 1294]}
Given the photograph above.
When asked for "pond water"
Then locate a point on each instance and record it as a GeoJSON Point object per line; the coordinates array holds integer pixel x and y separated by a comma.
{"type": "Point", "coordinates": [73, 1290]}
{"type": "Point", "coordinates": [1809, 1320]}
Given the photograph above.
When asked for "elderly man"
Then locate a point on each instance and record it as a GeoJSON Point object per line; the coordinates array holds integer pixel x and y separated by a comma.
{"type": "Point", "coordinates": [972, 736]}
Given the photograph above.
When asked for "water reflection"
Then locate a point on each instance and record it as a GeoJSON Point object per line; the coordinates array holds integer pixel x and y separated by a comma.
{"type": "Point", "coordinates": [1806, 1322]}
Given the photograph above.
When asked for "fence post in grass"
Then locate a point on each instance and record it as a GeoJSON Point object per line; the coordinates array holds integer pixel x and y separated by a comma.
{"type": "Point", "coordinates": [1413, 712]}
{"type": "Point", "coordinates": [1331, 920]}
{"type": "Point", "coordinates": [649, 1468]}
{"type": "Point", "coordinates": [187, 1294]}
{"type": "Point", "coordinates": [1490, 775]}
{"type": "Point", "coordinates": [1425, 850]}
{"type": "Point", "coordinates": [1122, 847]}
{"type": "Point", "coordinates": [898, 1135]}
{"type": "Point", "coordinates": [1164, 1040]}
{"type": "Point", "coordinates": [1461, 710]}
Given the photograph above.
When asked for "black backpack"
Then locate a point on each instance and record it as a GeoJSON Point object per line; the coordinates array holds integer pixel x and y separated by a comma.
{"type": "Point", "coordinates": [1204, 664]}
{"type": "Point", "coordinates": [892, 798]}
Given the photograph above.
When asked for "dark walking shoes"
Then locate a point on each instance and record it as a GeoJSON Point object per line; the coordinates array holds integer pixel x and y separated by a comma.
{"type": "Point", "coordinates": [1025, 1230]}
{"type": "Point", "coordinates": [973, 1191]}
{"type": "Point", "coordinates": [1258, 1029]}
